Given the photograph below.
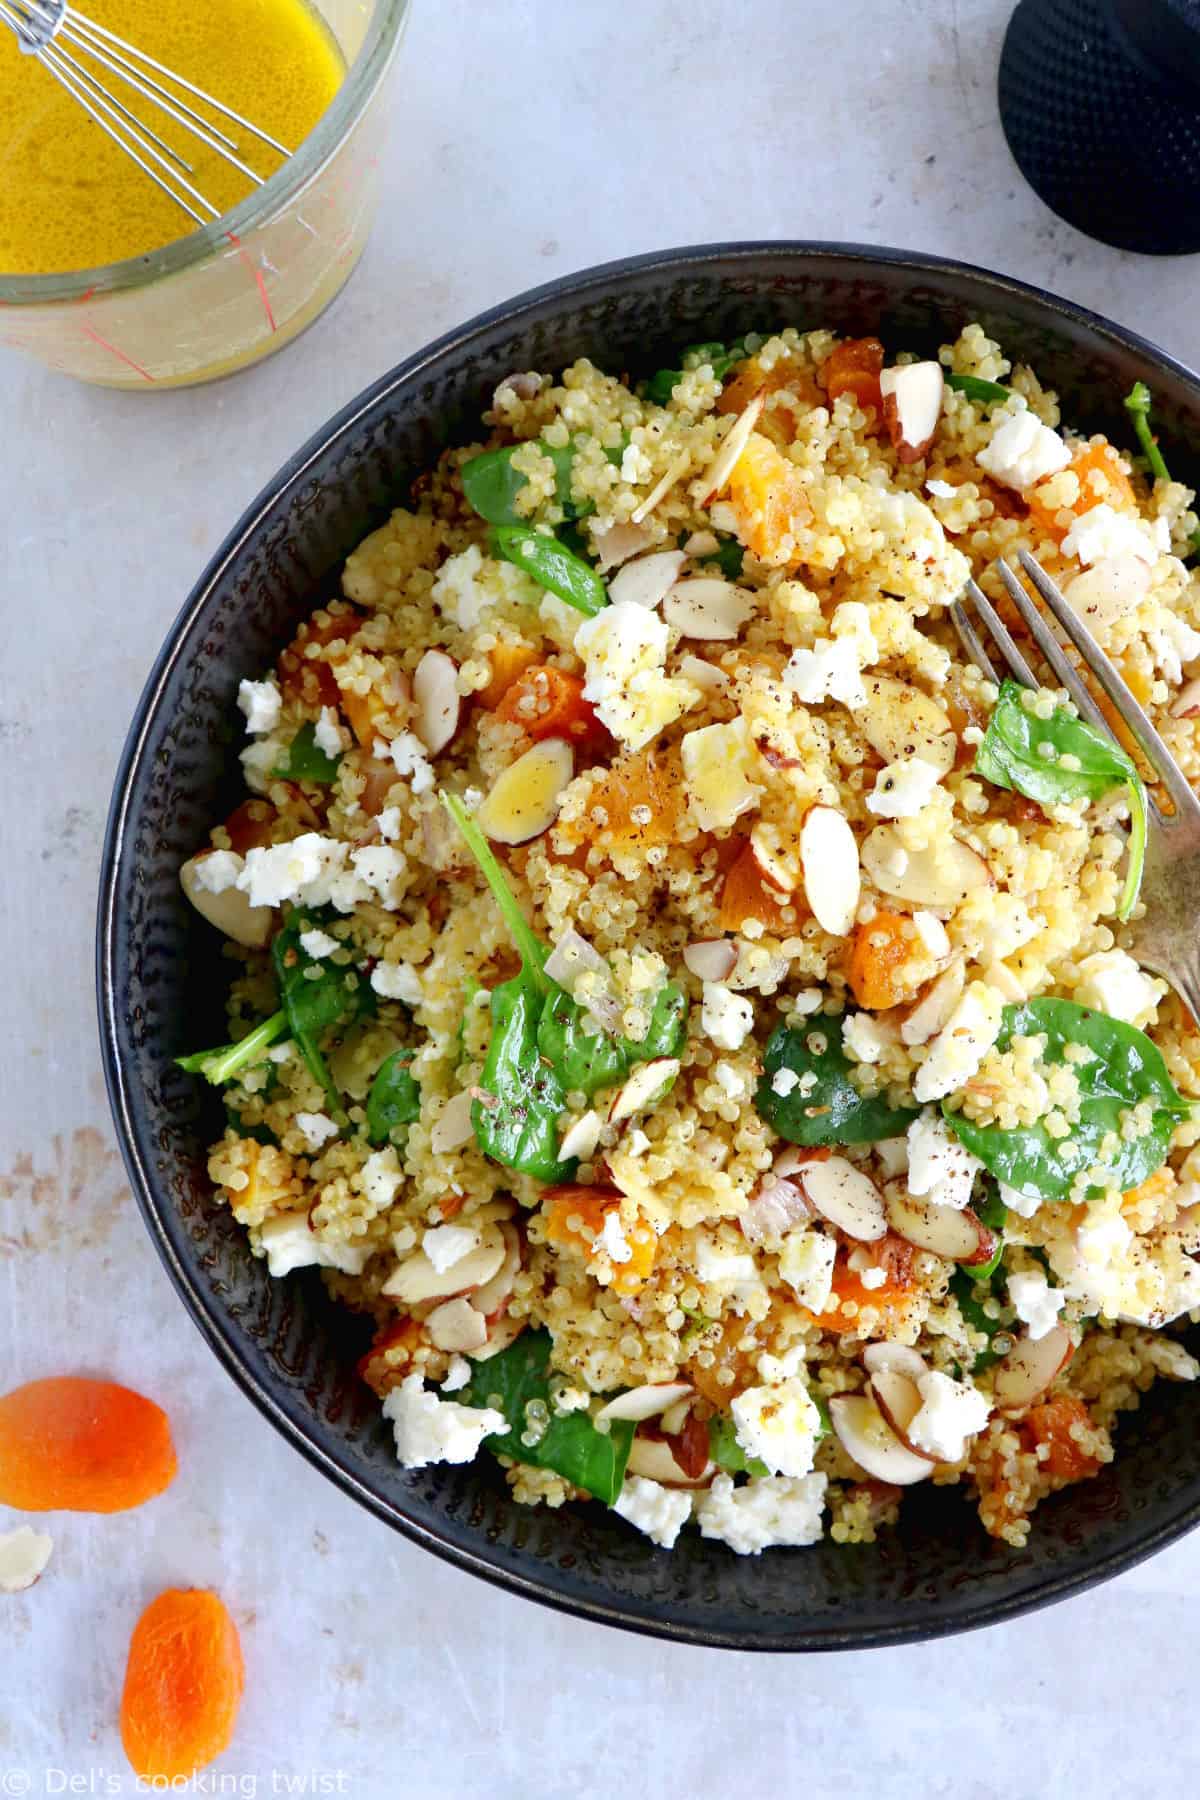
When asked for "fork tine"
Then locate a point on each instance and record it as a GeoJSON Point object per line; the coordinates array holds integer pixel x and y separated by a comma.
{"type": "Point", "coordinates": [1001, 635]}
{"type": "Point", "coordinates": [1132, 713]}
{"type": "Point", "coordinates": [972, 643]}
{"type": "Point", "coordinates": [1052, 650]}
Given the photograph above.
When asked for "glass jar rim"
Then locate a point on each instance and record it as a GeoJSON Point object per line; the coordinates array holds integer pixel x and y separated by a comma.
{"type": "Point", "coordinates": [277, 192]}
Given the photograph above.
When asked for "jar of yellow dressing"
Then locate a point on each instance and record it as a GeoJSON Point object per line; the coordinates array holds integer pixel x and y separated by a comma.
{"type": "Point", "coordinates": [103, 277]}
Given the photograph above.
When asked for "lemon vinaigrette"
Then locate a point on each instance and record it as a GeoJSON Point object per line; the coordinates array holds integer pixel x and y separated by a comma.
{"type": "Point", "coordinates": [70, 199]}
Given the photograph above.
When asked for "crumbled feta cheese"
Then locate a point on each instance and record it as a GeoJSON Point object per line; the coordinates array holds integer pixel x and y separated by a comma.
{"type": "Point", "coordinates": [779, 1425]}
{"type": "Point", "coordinates": [660, 1512]}
{"type": "Point", "coordinates": [718, 1267]}
{"type": "Point", "coordinates": [806, 1262]}
{"type": "Point", "coordinates": [732, 1082]}
{"type": "Point", "coordinates": [941, 490]}
{"type": "Point", "coordinates": [807, 1001]}
{"type": "Point", "coordinates": [381, 1178]}
{"type": "Point", "coordinates": [939, 1167]}
{"type": "Point", "coordinates": [457, 1375]}
{"type": "Point", "coordinates": [259, 760]}
{"type": "Point", "coordinates": [903, 789]}
{"type": "Point", "coordinates": [1038, 1304]}
{"type": "Point", "coordinates": [783, 1081]}
{"type": "Point", "coordinates": [446, 1245]}
{"type": "Point", "coordinates": [865, 1038]}
{"type": "Point", "coordinates": [852, 620]}
{"type": "Point", "coordinates": [309, 871]}
{"type": "Point", "coordinates": [1022, 450]}
{"type": "Point", "coordinates": [261, 702]}
{"type": "Point", "coordinates": [951, 1412]}
{"type": "Point", "coordinates": [1024, 1205]}
{"type": "Point", "coordinates": [397, 981]}
{"type": "Point", "coordinates": [893, 1156]}
{"type": "Point", "coordinates": [612, 1239]}
{"type": "Point", "coordinates": [317, 1128]}
{"type": "Point", "coordinates": [408, 754]}
{"type": "Point", "coordinates": [957, 1051]}
{"type": "Point", "coordinates": [381, 867]}
{"type": "Point", "coordinates": [767, 1511]}
{"type": "Point", "coordinates": [831, 670]}
{"type": "Point", "coordinates": [388, 822]}
{"type": "Point", "coordinates": [624, 648]}
{"type": "Point", "coordinates": [217, 870]}
{"type": "Point", "coordinates": [468, 584]}
{"type": "Point", "coordinates": [317, 943]}
{"type": "Point", "coordinates": [1112, 983]}
{"type": "Point", "coordinates": [932, 933]}
{"type": "Point", "coordinates": [290, 1243]}
{"type": "Point", "coordinates": [726, 1018]}
{"type": "Point", "coordinates": [1173, 643]}
{"type": "Point", "coordinates": [1101, 532]}
{"type": "Point", "coordinates": [721, 769]}
{"type": "Point", "coordinates": [429, 1430]}
{"type": "Point", "coordinates": [329, 735]}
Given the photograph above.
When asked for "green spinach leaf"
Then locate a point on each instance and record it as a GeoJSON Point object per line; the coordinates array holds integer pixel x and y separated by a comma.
{"type": "Point", "coordinates": [492, 486]}
{"type": "Point", "coordinates": [1137, 405]}
{"type": "Point", "coordinates": [1061, 759]}
{"type": "Point", "coordinates": [967, 1289]}
{"type": "Point", "coordinates": [587, 1060]}
{"type": "Point", "coordinates": [570, 1444]}
{"type": "Point", "coordinates": [517, 1124]}
{"type": "Point", "coordinates": [1125, 1070]}
{"type": "Point", "coordinates": [552, 566]}
{"type": "Point", "coordinates": [727, 1453]}
{"type": "Point", "coordinates": [394, 1101]}
{"type": "Point", "coordinates": [722, 357]}
{"type": "Point", "coordinates": [228, 1060]}
{"type": "Point", "coordinates": [304, 759]}
{"type": "Point", "coordinates": [828, 1109]}
{"type": "Point", "coordinates": [317, 997]}
{"type": "Point", "coordinates": [728, 558]}
{"type": "Point", "coordinates": [987, 393]}
{"type": "Point", "coordinates": [993, 1213]}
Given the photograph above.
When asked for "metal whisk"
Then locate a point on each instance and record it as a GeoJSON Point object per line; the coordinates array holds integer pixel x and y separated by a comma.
{"type": "Point", "coordinates": [59, 37]}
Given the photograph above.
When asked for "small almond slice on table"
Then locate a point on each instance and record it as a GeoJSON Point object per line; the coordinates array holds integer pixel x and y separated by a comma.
{"type": "Point", "coordinates": [24, 1554]}
{"type": "Point", "coordinates": [524, 801]}
{"type": "Point", "coordinates": [829, 860]}
{"type": "Point", "coordinates": [436, 699]}
{"type": "Point", "coordinates": [912, 407]}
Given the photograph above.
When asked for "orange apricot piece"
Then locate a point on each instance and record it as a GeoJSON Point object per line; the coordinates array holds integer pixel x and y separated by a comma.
{"type": "Point", "coordinates": [70, 1443]}
{"type": "Point", "coordinates": [183, 1685]}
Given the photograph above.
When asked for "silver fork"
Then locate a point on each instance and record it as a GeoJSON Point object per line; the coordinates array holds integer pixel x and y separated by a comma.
{"type": "Point", "coordinates": [1166, 937]}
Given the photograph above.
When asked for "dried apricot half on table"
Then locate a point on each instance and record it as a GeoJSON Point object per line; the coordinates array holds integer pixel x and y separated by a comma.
{"type": "Point", "coordinates": [81, 1445]}
{"type": "Point", "coordinates": [183, 1685]}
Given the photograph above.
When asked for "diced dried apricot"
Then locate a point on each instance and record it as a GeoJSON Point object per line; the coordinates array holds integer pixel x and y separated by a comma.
{"type": "Point", "coordinates": [80, 1445]}
{"type": "Point", "coordinates": [746, 895]}
{"type": "Point", "coordinates": [548, 702]}
{"type": "Point", "coordinates": [183, 1685]}
{"type": "Point", "coordinates": [1101, 478]}
{"type": "Point", "coordinates": [367, 714]}
{"type": "Point", "coordinates": [879, 951]}
{"type": "Point", "coordinates": [887, 1300]}
{"type": "Point", "coordinates": [1051, 1426]}
{"type": "Point", "coordinates": [575, 1218]}
{"type": "Point", "coordinates": [778, 422]}
{"type": "Point", "coordinates": [249, 825]}
{"type": "Point", "coordinates": [725, 1358]}
{"type": "Point", "coordinates": [645, 783]}
{"type": "Point", "coordinates": [854, 367]}
{"type": "Point", "coordinates": [508, 661]}
{"type": "Point", "coordinates": [310, 678]}
{"type": "Point", "coordinates": [1144, 1199]}
{"type": "Point", "coordinates": [390, 1357]}
{"type": "Point", "coordinates": [770, 500]}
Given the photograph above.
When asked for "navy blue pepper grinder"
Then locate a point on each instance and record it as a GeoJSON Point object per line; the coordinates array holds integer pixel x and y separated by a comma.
{"type": "Point", "coordinates": [1100, 103]}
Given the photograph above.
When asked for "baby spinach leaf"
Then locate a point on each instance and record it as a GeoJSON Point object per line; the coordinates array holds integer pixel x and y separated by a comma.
{"type": "Point", "coordinates": [552, 566]}
{"type": "Point", "coordinates": [728, 558]}
{"type": "Point", "coordinates": [304, 760]}
{"type": "Point", "coordinates": [587, 1060]}
{"type": "Point", "coordinates": [228, 1060]}
{"type": "Point", "coordinates": [987, 393]}
{"type": "Point", "coordinates": [517, 1123]}
{"type": "Point", "coordinates": [727, 1453]}
{"type": "Point", "coordinates": [1025, 753]}
{"type": "Point", "coordinates": [1124, 1070]}
{"type": "Point", "coordinates": [993, 1213]}
{"type": "Point", "coordinates": [317, 996]}
{"type": "Point", "coordinates": [492, 485]}
{"type": "Point", "coordinates": [262, 1134]}
{"type": "Point", "coordinates": [971, 1291]}
{"type": "Point", "coordinates": [1137, 405]}
{"type": "Point", "coordinates": [660, 386]}
{"type": "Point", "coordinates": [394, 1100]}
{"type": "Point", "coordinates": [830, 1109]}
{"type": "Point", "coordinates": [570, 1444]}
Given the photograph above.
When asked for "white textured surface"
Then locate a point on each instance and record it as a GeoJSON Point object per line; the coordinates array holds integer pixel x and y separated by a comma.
{"type": "Point", "coordinates": [529, 139]}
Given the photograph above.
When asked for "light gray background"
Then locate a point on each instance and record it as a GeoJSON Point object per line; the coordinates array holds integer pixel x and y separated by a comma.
{"type": "Point", "coordinates": [530, 138]}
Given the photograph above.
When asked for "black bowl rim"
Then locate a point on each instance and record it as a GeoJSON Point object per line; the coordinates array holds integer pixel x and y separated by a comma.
{"type": "Point", "coordinates": [216, 1326]}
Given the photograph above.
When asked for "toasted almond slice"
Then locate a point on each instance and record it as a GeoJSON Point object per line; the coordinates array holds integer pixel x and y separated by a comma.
{"type": "Point", "coordinates": [452, 1128]}
{"type": "Point", "coordinates": [899, 1400]}
{"type": "Point", "coordinates": [778, 873]}
{"type": "Point", "coordinates": [733, 443]}
{"type": "Point", "coordinates": [643, 1087]}
{"type": "Point", "coordinates": [1110, 589]}
{"type": "Point", "coordinates": [712, 959]}
{"type": "Point", "coordinates": [501, 1334]}
{"type": "Point", "coordinates": [661, 488]}
{"type": "Point", "coordinates": [619, 542]}
{"type": "Point", "coordinates": [494, 1294]}
{"type": "Point", "coordinates": [912, 407]}
{"type": "Point", "coordinates": [845, 1196]}
{"type": "Point", "coordinates": [704, 675]}
{"type": "Point", "coordinates": [436, 699]}
{"type": "Point", "coordinates": [416, 1279]}
{"type": "Point", "coordinates": [524, 800]}
{"type": "Point", "coordinates": [1186, 703]}
{"type": "Point", "coordinates": [647, 581]}
{"type": "Point", "coordinates": [866, 1436]}
{"type": "Point", "coordinates": [942, 875]}
{"type": "Point", "coordinates": [959, 1236]}
{"type": "Point", "coordinates": [230, 911]}
{"type": "Point", "coordinates": [456, 1325]}
{"type": "Point", "coordinates": [652, 1458]}
{"type": "Point", "coordinates": [581, 1138]}
{"type": "Point", "coordinates": [829, 860]}
{"type": "Point", "coordinates": [927, 1016]}
{"type": "Point", "coordinates": [1030, 1367]}
{"type": "Point", "coordinates": [902, 721]}
{"type": "Point", "coordinates": [708, 608]}
{"type": "Point", "coordinates": [645, 1402]}
{"type": "Point", "coordinates": [24, 1554]}
{"type": "Point", "coordinates": [879, 1356]}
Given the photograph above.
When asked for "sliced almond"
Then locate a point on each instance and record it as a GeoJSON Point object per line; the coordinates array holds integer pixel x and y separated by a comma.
{"type": "Point", "coordinates": [230, 910]}
{"type": "Point", "coordinates": [704, 675]}
{"type": "Point", "coordinates": [453, 1128]}
{"type": "Point", "coordinates": [416, 1279]}
{"type": "Point", "coordinates": [829, 860]}
{"type": "Point", "coordinates": [675, 1417]}
{"type": "Point", "coordinates": [902, 721]}
{"type": "Point", "coordinates": [880, 1356]}
{"type": "Point", "coordinates": [661, 488]}
{"type": "Point", "coordinates": [501, 1334]}
{"type": "Point", "coordinates": [959, 1236]}
{"type": "Point", "coordinates": [708, 608]}
{"type": "Point", "coordinates": [899, 1400]}
{"type": "Point", "coordinates": [776, 1205]}
{"type": "Point", "coordinates": [941, 875]}
{"type": "Point", "coordinates": [581, 1138]}
{"type": "Point", "coordinates": [652, 1458]}
{"type": "Point", "coordinates": [643, 1087]}
{"type": "Point", "coordinates": [1108, 591]}
{"type": "Point", "coordinates": [869, 1440]}
{"type": "Point", "coordinates": [912, 407]}
{"type": "Point", "coordinates": [733, 443]}
{"type": "Point", "coordinates": [645, 1402]}
{"type": "Point", "coordinates": [777, 869]}
{"type": "Point", "coordinates": [1187, 702]}
{"type": "Point", "coordinates": [712, 959]}
{"type": "Point", "coordinates": [648, 580]}
{"type": "Point", "coordinates": [845, 1196]}
{"type": "Point", "coordinates": [24, 1554]}
{"type": "Point", "coordinates": [1030, 1367]}
{"type": "Point", "coordinates": [456, 1325]}
{"type": "Point", "coordinates": [928, 1015]}
{"type": "Point", "coordinates": [618, 543]}
{"type": "Point", "coordinates": [524, 800]}
{"type": "Point", "coordinates": [436, 699]}
{"type": "Point", "coordinates": [494, 1294]}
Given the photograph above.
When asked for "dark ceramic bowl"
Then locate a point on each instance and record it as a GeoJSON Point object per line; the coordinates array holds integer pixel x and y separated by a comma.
{"type": "Point", "coordinates": [160, 975]}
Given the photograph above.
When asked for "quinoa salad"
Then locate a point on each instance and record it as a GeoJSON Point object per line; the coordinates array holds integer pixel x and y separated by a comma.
{"type": "Point", "coordinates": [676, 998]}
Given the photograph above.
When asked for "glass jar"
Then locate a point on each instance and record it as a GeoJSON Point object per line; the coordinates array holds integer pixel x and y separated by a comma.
{"type": "Point", "coordinates": [243, 286]}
